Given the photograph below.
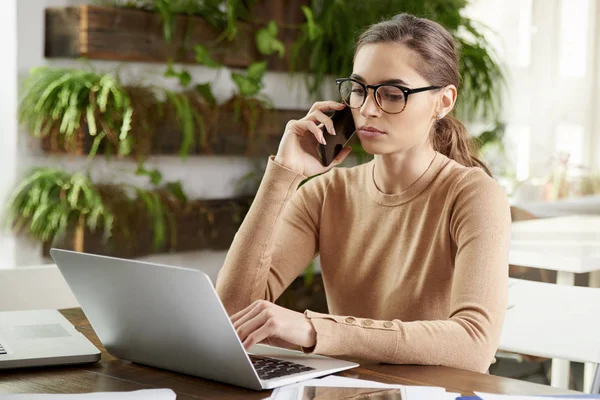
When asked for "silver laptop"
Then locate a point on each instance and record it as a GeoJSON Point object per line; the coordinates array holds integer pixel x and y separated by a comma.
{"type": "Point", "coordinates": [172, 318]}
{"type": "Point", "coordinates": [41, 337]}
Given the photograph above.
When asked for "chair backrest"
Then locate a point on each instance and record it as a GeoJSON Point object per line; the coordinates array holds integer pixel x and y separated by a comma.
{"type": "Point", "coordinates": [32, 288]}
{"type": "Point", "coordinates": [554, 321]}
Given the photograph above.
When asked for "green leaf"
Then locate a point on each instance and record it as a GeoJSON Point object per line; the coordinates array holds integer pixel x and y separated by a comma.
{"type": "Point", "coordinates": [314, 30]}
{"type": "Point", "coordinates": [91, 120]}
{"type": "Point", "coordinates": [96, 145]}
{"type": "Point", "coordinates": [176, 189]}
{"type": "Point", "coordinates": [247, 87]}
{"type": "Point", "coordinates": [183, 76]}
{"type": "Point", "coordinates": [126, 126]}
{"type": "Point", "coordinates": [154, 174]}
{"type": "Point", "coordinates": [267, 42]}
{"type": "Point", "coordinates": [203, 57]}
{"type": "Point", "coordinates": [125, 146]}
{"type": "Point", "coordinates": [256, 70]}
{"type": "Point", "coordinates": [205, 91]}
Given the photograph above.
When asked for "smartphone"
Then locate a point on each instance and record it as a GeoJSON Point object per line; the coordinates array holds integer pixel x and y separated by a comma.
{"type": "Point", "coordinates": [343, 123]}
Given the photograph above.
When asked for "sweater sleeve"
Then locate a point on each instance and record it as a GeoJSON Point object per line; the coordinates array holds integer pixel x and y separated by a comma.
{"type": "Point", "coordinates": [468, 338]}
{"type": "Point", "coordinates": [275, 243]}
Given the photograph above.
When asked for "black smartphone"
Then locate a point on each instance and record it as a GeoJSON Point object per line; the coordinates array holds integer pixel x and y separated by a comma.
{"type": "Point", "coordinates": [343, 123]}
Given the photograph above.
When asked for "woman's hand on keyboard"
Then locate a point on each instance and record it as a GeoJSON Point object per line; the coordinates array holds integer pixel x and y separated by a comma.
{"type": "Point", "coordinates": [265, 322]}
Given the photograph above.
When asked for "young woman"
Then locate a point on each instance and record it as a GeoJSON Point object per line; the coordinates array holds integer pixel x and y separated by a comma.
{"type": "Point", "coordinates": [413, 245]}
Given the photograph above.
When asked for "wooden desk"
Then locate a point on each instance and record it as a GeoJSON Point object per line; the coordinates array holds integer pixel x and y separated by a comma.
{"type": "Point", "coordinates": [111, 374]}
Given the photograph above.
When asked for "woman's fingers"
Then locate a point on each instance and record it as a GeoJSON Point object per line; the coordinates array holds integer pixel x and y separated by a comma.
{"type": "Point", "coordinates": [341, 156]}
{"type": "Point", "coordinates": [324, 119]}
{"type": "Point", "coordinates": [253, 324]}
{"type": "Point", "coordinates": [247, 313]}
{"type": "Point", "coordinates": [326, 106]}
{"type": "Point", "coordinates": [306, 126]}
{"type": "Point", "coordinates": [266, 330]}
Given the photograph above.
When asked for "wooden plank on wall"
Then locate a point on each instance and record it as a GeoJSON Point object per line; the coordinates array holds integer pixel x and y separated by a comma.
{"type": "Point", "coordinates": [199, 225]}
{"type": "Point", "coordinates": [133, 35]}
{"type": "Point", "coordinates": [227, 136]}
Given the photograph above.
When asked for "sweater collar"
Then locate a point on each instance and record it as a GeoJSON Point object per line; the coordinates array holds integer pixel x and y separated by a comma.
{"type": "Point", "coordinates": [438, 162]}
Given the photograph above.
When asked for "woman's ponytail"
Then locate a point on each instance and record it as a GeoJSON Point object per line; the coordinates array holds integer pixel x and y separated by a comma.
{"type": "Point", "coordinates": [451, 138]}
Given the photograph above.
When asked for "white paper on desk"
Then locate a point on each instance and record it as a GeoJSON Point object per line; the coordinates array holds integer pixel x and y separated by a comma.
{"type": "Point", "coordinates": [147, 394]}
{"type": "Point", "coordinates": [292, 392]}
{"type": "Point", "coordinates": [488, 396]}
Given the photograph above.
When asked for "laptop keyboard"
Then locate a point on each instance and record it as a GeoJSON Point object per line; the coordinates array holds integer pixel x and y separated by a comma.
{"type": "Point", "coordinates": [269, 368]}
{"type": "Point", "coordinates": [2, 351]}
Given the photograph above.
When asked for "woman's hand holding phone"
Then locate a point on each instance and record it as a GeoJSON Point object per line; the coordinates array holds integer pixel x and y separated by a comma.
{"type": "Point", "coordinates": [298, 147]}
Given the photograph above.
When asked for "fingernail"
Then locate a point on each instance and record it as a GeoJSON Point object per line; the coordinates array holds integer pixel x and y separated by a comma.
{"type": "Point", "coordinates": [323, 141]}
{"type": "Point", "coordinates": [334, 132]}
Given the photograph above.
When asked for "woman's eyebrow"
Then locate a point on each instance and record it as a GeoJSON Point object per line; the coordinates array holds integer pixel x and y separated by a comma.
{"type": "Point", "coordinates": [388, 81]}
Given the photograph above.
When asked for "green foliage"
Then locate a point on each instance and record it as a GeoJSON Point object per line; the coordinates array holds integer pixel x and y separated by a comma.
{"type": "Point", "coordinates": [63, 103]}
{"type": "Point", "coordinates": [182, 76]}
{"type": "Point", "coordinates": [154, 174]}
{"type": "Point", "coordinates": [205, 90]}
{"type": "Point", "coordinates": [189, 119]}
{"type": "Point", "coordinates": [157, 214]}
{"type": "Point", "coordinates": [176, 190]}
{"type": "Point", "coordinates": [203, 57]}
{"type": "Point", "coordinates": [251, 84]}
{"type": "Point", "coordinates": [493, 135]}
{"type": "Point", "coordinates": [267, 42]}
{"type": "Point", "coordinates": [48, 201]}
{"type": "Point", "coordinates": [482, 76]}
{"type": "Point", "coordinates": [59, 100]}
{"type": "Point", "coordinates": [222, 14]}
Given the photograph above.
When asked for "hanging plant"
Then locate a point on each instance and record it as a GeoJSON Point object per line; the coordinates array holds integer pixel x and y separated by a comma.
{"type": "Point", "coordinates": [67, 104]}
{"type": "Point", "coordinates": [248, 103]}
{"type": "Point", "coordinates": [49, 201]}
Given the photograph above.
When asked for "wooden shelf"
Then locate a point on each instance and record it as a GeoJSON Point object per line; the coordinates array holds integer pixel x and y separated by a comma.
{"type": "Point", "coordinates": [226, 136]}
{"type": "Point", "coordinates": [108, 33]}
{"type": "Point", "coordinates": [199, 225]}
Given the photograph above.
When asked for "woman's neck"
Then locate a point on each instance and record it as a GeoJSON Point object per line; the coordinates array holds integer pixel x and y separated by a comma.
{"type": "Point", "coordinates": [394, 173]}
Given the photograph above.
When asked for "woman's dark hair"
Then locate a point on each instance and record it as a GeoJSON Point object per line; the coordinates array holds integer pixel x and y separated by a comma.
{"type": "Point", "coordinates": [438, 63]}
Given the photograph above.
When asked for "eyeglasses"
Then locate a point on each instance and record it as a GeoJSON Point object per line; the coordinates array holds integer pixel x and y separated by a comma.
{"type": "Point", "coordinates": [391, 99]}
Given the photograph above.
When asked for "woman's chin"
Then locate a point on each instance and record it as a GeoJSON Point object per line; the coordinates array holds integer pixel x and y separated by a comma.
{"type": "Point", "coordinates": [372, 148]}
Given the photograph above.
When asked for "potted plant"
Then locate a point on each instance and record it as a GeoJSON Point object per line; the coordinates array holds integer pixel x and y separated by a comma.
{"type": "Point", "coordinates": [69, 106]}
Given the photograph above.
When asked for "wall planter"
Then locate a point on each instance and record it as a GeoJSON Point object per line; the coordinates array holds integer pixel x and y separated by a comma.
{"type": "Point", "coordinates": [124, 34]}
{"type": "Point", "coordinates": [199, 225]}
{"type": "Point", "coordinates": [107, 33]}
{"type": "Point", "coordinates": [227, 132]}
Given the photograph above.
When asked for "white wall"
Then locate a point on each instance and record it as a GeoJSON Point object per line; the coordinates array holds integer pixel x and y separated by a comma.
{"type": "Point", "coordinates": [551, 49]}
{"type": "Point", "coordinates": [8, 122]}
{"type": "Point", "coordinates": [202, 177]}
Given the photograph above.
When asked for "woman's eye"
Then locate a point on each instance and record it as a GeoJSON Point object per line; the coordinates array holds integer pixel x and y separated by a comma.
{"type": "Point", "coordinates": [392, 97]}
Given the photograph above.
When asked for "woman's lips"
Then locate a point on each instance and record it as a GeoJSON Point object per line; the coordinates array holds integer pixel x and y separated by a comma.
{"type": "Point", "coordinates": [369, 132]}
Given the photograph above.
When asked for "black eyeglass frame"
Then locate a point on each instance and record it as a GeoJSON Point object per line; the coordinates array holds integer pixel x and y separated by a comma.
{"type": "Point", "coordinates": [406, 91]}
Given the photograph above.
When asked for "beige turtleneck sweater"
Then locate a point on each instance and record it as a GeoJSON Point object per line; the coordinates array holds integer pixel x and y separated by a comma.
{"type": "Point", "coordinates": [418, 277]}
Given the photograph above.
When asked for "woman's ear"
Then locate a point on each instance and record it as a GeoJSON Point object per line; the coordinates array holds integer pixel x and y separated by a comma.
{"type": "Point", "coordinates": [446, 101]}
